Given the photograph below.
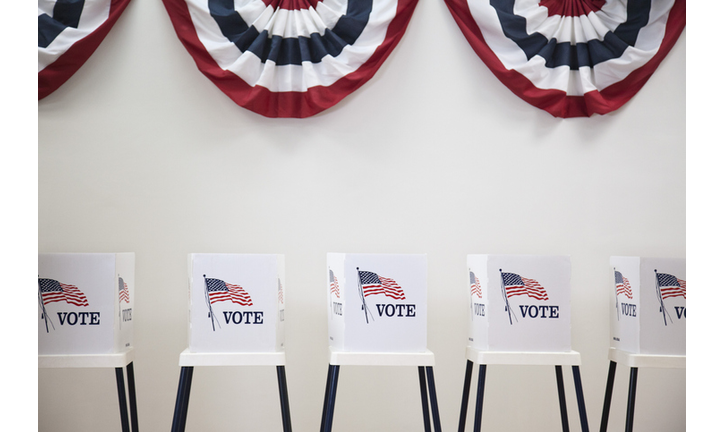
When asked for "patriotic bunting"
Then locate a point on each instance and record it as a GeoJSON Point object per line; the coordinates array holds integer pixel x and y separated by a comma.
{"type": "Point", "coordinates": [571, 58]}
{"type": "Point", "coordinates": [69, 31]}
{"type": "Point", "coordinates": [289, 58]}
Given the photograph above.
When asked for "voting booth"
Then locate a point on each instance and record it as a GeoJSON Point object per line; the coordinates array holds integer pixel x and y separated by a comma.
{"type": "Point", "coordinates": [377, 303]}
{"type": "Point", "coordinates": [85, 303]}
{"type": "Point", "coordinates": [377, 316]}
{"type": "Point", "coordinates": [85, 317]}
{"type": "Point", "coordinates": [236, 303]}
{"type": "Point", "coordinates": [236, 318]}
{"type": "Point", "coordinates": [520, 303]}
{"type": "Point", "coordinates": [648, 305]}
{"type": "Point", "coordinates": [648, 321]}
{"type": "Point", "coordinates": [520, 314]}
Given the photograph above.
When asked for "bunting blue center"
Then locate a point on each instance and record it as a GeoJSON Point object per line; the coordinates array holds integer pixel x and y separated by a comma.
{"type": "Point", "coordinates": [291, 50]}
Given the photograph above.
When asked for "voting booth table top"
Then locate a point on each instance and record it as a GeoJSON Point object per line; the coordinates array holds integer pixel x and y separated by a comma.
{"type": "Point", "coordinates": [377, 316]}
{"type": "Point", "coordinates": [236, 318]}
{"type": "Point", "coordinates": [520, 314]}
{"type": "Point", "coordinates": [86, 318]}
{"type": "Point", "coordinates": [648, 321]}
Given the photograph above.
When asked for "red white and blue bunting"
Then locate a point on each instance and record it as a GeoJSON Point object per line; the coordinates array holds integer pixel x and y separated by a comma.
{"type": "Point", "coordinates": [289, 58]}
{"type": "Point", "coordinates": [69, 31]}
{"type": "Point", "coordinates": [571, 58]}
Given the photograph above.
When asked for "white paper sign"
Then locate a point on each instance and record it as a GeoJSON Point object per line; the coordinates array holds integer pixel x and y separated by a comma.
{"type": "Point", "coordinates": [236, 303]}
{"type": "Point", "coordinates": [85, 303]}
{"type": "Point", "coordinates": [377, 302]}
{"type": "Point", "coordinates": [648, 305]}
{"type": "Point", "coordinates": [520, 303]}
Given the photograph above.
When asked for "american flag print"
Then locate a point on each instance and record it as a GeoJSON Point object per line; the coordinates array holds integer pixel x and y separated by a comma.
{"type": "Point", "coordinates": [373, 284]}
{"type": "Point", "coordinates": [622, 285]}
{"type": "Point", "coordinates": [221, 291]}
{"type": "Point", "coordinates": [516, 285]}
{"type": "Point", "coordinates": [289, 58]}
{"type": "Point", "coordinates": [69, 31]}
{"type": "Point", "coordinates": [671, 286]}
{"type": "Point", "coordinates": [475, 288]}
{"type": "Point", "coordinates": [53, 291]}
{"type": "Point", "coordinates": [333, 284]}
{"type": "Point", "coordinates": [123, 291]}
{"type": "Point", "coordinates": [571, 58]}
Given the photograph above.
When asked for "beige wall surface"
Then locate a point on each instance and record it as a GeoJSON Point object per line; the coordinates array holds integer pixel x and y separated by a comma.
{"type": "Point", "coordinates": [139, 152]}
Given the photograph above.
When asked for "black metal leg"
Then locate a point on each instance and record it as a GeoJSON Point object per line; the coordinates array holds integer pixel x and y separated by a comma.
{"type": "Point", "coordinates": [329, 398]}
{"type": "Point", "coordinates": [466, 395]}
{"type": "Point", "coordinates": [423, 396]}
{"type": "Point", "coordinates": [122, 399]}
{"type": "Point", "coordinates": [182, 399]}
{"type": "Point", "coordinates": [631, 399]}
{"type": "Point", "coordinates": [479, 399]}
{"type": "Point", "coordinates": [284, 398]}
{"type": "Point", "coordinates": [579, 396]}
{"type": "Point", "coordinates": [562, 398]}
{"type": "Point", "coordinates": [607, 397]}
{"type": "Point", "coordinates": [132, 396]}
{"type": "Point", "coordinates": [433, 399]}
{"type": "Point", "coordinates": [327, 386]}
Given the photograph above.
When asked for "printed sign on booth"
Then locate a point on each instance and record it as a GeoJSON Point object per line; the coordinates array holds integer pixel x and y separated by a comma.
{"type": "Point", "coordinates": [377, 302]}
{"type": "Point", "coordinates": [520, 303]}
{"type": "Point", "coordinates": [236, 302]}
{"type": "Point", "coordinates": [85, 303]}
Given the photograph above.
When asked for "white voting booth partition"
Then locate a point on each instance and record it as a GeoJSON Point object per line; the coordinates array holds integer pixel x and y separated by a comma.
{"type": "Point", "coordinates": [377, 316]}
{"type": "Point", "coordinates": [85, 319]}
{"type": "Point", "coordinates": [236, 318]}
{"type": "Point", "coordinates": [520, 314]}
{"type": "Point", "coordinates": [648, 321]}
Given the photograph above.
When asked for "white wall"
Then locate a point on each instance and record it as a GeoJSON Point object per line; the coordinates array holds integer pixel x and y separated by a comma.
{"type": "Point", "coordinates": [140, 152]}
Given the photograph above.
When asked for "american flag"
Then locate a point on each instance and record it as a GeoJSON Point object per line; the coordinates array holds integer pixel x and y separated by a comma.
{"type": "Point", "coordinates": [53, 291]}
{"type": "Point", "coordinates": [516, 285]}
{"type": "Point", "coordinates": [333, 284]}
{"type": "Point", "coordinates": [221, 291]}
{"type": "Point", "coordinates": [622, 285]}
{"type": "Point", "coordinates": [372, 284]}
{"type": "Point", "coordinates": [123, 291]}
{"type": "Point", "coordinates": [475, 286]}
{"type": "Point", "coordinates": [671, 286]}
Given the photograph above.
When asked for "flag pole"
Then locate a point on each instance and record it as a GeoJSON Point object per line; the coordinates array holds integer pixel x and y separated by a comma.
{"type": "Point", "coordinates": [505, 297]}
{"type": "Point", "coordinates": [618, 314]}
{"type": "Point", "coordinates": [362, 295]}
{"type": "Point", "coordinates": [472, 314]}
{"type": "Point", "coordinates": [208, 303]}
{"type": "Point", "coordinates": [44, 313]}
{"type": "Point", "coordinates": [119, 301]}
{"type": "Point", "coordinates": [661, 298]}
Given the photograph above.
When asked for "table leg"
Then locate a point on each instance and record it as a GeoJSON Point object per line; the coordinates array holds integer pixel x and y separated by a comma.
{"type": "Point", "coordinates": [608, 395]}
{"type": "Point", "coordinates": [433, 399]}
{"type": "Point", "coordinates": [330, 396]}
{"type": "Point", "coordinates": [479, 399]}
{"type": "Point", "coordinates": [423, 396]}
{"type": "Point", "coordinates": [579, 396]}
{"type": "Point", "coordinates": [122, 399]}
{"type": "Point", "coordinates": [562, 398]}
{"type": "Point", "coordinates": [631, 399]}
{"type": "Point", "coordinates": [284, 398]}
{"type": "Point", "coordinates": [182, 399]}
{"type": "Point", "coordinates": [466, 396]}
{"type": "Point", "coordinates": [132, 396]}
